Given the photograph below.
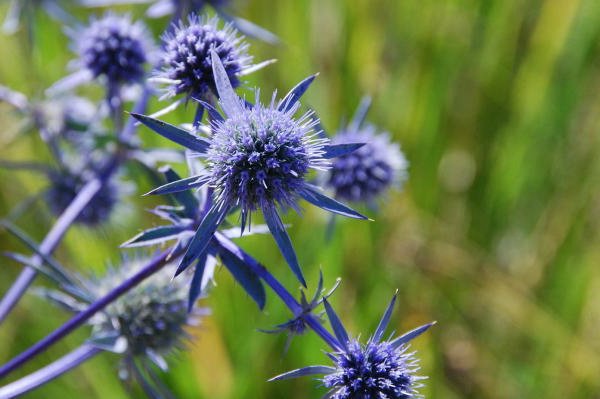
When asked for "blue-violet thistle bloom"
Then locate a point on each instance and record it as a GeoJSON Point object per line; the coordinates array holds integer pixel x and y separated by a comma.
{"type": "Point", "coordinates": [367, 173]}
{"type": "Point", "coordinates": [112, 48]}
{"type": "Point", "coordinates": [257, 159]}
{"type": "Point", "coordinates": [145, 324]}
{"type": "Point", "coordinates": [64, 187]}
{"type": "Point", "coordinates": [375, 370]}
{"type": "Point", "coordinates": [186, 57]}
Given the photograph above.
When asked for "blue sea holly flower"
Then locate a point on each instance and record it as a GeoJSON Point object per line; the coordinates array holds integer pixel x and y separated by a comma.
{"type": "Point", "coordinates": [144, 325]}
{"type": "Point", "coordinates": [186, 58]}
{"type": "Point", "coordinates": [112, 48]}
{"type": "Point", "coordinates": [367, 173]}
{"type": "Point", "coordinates": [257, 159]}
{"type": "Point", "coordinates": [375, 370]}
{"type": "Point", "coordinates": [64, 187]}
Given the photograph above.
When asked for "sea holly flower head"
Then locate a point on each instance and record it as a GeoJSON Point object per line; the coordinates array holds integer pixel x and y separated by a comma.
{"type": "Point", "coordinates": [114, 47]}
{"type": "Point", "coordinates": [64, 187]}
{"type": "Point", "coordinates": [186, 57]}
{"type": "Point", "coordinates": [375, 370]}
{"type": "Point", "coordinates": [147, 323]}
{"type": "Point", "coordinates": [367, 173]}
{"type": "Point", "coordinates": [258, 157]}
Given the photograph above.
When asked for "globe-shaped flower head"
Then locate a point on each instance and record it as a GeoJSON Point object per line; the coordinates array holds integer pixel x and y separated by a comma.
{"type": "Point", "coordinates": [375, 370]}
{"type": "Point", "coordinates": [186, 57]}
{"type": "Point", "coordinates": [367, 173]}
{"type": "Point", "coordinates": [115, 48]}
{"type": "Point", "coordinates": [258, 157]}
{"type": "Point", "coordinates": [64, 187]}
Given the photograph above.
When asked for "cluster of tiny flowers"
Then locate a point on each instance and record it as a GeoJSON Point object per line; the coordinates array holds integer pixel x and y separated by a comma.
{"type": "Point", "coordinates": [374, 371]}
{"type": "Point", "coordinates": [260, 156]}
{"type": "Point", "coordinates": [150, 318]}
{"type": "Point", "coordinates": [114, 47]}
{"type": "Point", "coordinates": [370, 171]}
{"type": "Point", "coordinates": [63, 189]}
{"type": "Point", "coordinates": [187, 61]}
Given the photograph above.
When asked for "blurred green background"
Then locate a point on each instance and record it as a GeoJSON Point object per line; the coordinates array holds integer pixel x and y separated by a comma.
{"type": "Point", "coordinates": [496, 104]}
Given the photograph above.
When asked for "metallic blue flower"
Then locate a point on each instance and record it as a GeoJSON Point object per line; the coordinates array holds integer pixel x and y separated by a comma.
{"type": "Point", "coordinates": [367, 173]}
{"type": "Point", "coordinates": [144, 325]}
{"type": "Point", "coordinates": [64, 187]}
{"type": "Point", "coordinates": [186, 57]}
{"type": "Point", "coordinates": [112, 48]}
{"type": "Point", "coordinates": [258, 158]}
{"type": "Point", "coordinates": [375, 370]}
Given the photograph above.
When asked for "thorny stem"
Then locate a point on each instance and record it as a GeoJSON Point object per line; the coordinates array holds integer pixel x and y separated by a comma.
{"type": "Point", "coordinates": [311, 320]}
{"type": "Point", "coordinates": [50, 372]}
{"type": "Point", "coordinates": [153, 266]}
{"type": "Point", "coordinates": [66, 219]}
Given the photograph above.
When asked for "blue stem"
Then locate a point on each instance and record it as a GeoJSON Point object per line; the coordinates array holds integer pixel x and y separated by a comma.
{"type": "Point", "coordinates": [48, 373]}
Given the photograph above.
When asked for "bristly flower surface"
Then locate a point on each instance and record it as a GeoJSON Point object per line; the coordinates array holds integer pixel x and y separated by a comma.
{"type": "Point", "coordinates": [144, 325]}
{"type": "Point", "coordinates": [186, 56]}
{"type": "Point", "coordinates": [375, 370]}
{"type": "Point", "coordinates": [370, 171]}
{"type": "Point", "coordinates": [112, 48]}
{"type": "Point", "coordinates": [258, 157]}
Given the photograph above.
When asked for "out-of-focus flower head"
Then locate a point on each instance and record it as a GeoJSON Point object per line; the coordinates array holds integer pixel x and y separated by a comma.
{"type": "Point", "coordinates": [367, 173]}
{"type": "Point", "coordinates": [144, 325]}
{"type": "Point", "coordinates": [112, 48]}
{"type": "Point", "coordinates": [64, 187]}
{"type": "Point", "coordinates": [375, 370]}
{"type": "Point", "coordinates": [258, 158]}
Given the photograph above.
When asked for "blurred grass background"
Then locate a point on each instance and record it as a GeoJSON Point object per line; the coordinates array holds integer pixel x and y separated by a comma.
{"type": "Point", "coordinates": [496, 104]}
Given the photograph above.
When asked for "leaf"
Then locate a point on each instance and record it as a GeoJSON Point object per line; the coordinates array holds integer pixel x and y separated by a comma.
{"type": "Point", "coordinates": [385, 320]}
{"type": "Point", "coordinates": [411, 335]}
{"type": "Point", "coordinates": [312, 195]}
{"type": "Point", "coordinates": [310, 370]}
{"type": "Point", "coordinates": [212, 111]}
{"type": "Point", "coordinates": [336, 324]}
{"type": "Point", "coordinates": [154, 236]}
{"type": "Point", "coordinates": [185, 198]}
{"type": "Point", "coordinates": [175, 134]}
{"type": "Point", "coordinates": [337, 150]}
{"type": "Point", "coordinates": [196, 283]}
{"type": "Point", "coordinates": [180, 185]}
{"type": "Point", "coordinates": [202, 238]}
{"type": "Point", "coordinates": [283, 241]}
{"type": "Point", "coordinates": [360, 114]}
{"type": "Point", "coordinates": [235, 262]}
{"type": "Point", "coordinates": [230, 102]}
{"type": "Point", "coordinates": [294, 95]}
{"type": "Point", "coordinates": [29, 242]}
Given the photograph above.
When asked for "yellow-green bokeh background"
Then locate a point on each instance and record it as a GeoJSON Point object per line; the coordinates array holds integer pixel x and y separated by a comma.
{"type": "Point", "coordinates": [496, 104]}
